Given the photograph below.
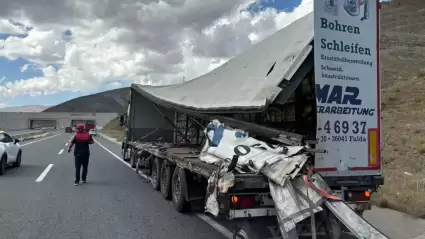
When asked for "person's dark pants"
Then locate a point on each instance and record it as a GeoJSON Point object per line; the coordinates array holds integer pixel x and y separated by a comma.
{"type": "Point", "coordinates": [81, 160]}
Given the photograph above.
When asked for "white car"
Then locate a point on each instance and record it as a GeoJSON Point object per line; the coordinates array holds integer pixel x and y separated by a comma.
{"type": "Point", "coordinates": [93, 132]}
{"type": "Point", "coordinates": [10, 151]}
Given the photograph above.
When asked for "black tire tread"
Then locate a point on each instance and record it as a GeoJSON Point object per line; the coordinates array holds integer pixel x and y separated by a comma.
{"type": "Point", "coordinates": [157, 163]}
{"type": "Point", "coordinates": [166, 187]}
{"type": "Point", "coordinates": [180, 203]}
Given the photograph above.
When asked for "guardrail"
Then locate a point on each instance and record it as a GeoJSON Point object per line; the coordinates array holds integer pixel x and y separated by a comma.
{"type": "Point", "coordinates": [21, 136]}
{"type": "Point", "coordinates": [26, 132]}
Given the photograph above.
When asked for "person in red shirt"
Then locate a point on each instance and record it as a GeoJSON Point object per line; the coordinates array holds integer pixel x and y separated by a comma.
{"type": "Point", "coordinates": [81, 140]}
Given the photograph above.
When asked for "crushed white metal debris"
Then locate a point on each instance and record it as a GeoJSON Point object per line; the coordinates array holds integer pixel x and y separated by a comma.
{"type": "Point", "coordinates": [297, 195]}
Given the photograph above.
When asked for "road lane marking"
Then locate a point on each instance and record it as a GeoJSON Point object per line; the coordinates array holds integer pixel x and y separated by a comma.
{"type": "Point", "coordinates": [40, 139]}
{"type": "Point", "coordinates": [421, 236]}
{"type": "Point", "coordinates": [217, 226]}
{"type": "Point", "coordinates": [66, 144]}
{"type": "Point", "coordinates": [110, 152]}
{"type": "Point", "coordinates": [60, 152]}
{"type": "Point", "coordinates": [44, 173]}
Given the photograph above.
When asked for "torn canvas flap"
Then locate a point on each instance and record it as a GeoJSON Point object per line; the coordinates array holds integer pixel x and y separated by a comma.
{"type": "Point", "coordinates": [283, 169]}
{"type": "Point", "coordinates": [226, 182]}
{"type": "Point", "coordinates": [218, 183]}
{"type": "Point", "coordinates": [211, 205]}
{"type": "Point", "coordinates": [224, 142]}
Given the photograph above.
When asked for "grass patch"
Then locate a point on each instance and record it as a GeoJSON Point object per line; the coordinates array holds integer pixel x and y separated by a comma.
{"type": "Point", "coordinates": [114, 130]}
{"type": "Point", "coordinates": [404, 147]}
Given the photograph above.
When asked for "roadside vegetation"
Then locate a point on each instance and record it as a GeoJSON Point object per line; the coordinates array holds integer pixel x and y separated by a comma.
{"type": "Point", "coordinates": [404, 146]}
{"type": "Point", "coordinates": [114, 130]}
{"type": "Point", "coordinates": [403, 105]}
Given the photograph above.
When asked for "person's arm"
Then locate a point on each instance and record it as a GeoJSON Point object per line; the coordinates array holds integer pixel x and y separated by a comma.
{"type": "Point", "coordinates": [71, 144]}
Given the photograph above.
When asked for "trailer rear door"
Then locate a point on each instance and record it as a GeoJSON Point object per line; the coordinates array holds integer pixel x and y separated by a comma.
{"type": "Point", "coordinates": [347, 78]}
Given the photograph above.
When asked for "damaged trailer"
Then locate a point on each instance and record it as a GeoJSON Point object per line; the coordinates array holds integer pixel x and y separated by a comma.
{"type": "Point", "coordinates": [170, 135]}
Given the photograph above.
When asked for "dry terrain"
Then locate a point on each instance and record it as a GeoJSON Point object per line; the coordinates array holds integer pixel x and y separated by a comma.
{"type": "Point", "coordinates": [112, 101]}
{"type": "Point", "coordinates": [403, 98]}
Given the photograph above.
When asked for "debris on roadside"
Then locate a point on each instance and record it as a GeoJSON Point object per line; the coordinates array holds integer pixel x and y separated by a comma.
{"type": "Point", "coordinates": [297, 191]}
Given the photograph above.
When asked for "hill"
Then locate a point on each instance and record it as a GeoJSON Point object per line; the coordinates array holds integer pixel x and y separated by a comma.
{"type": "Point", "coordinates": [114, 130]}
{"type": "Point", "coordinates": [25, 108]}
{"type": "Point", "coordinates": [112, 101]}
{"type": "Point", "coordinates": [403, 98]}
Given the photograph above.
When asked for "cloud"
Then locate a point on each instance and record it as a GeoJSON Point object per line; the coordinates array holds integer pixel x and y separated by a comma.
{"type": "Point", "coordinates": [9, 27]}
{"type": "Point", "coordinates": [24, 67]}
{"type": "Point", "coordinates": [81, 45]}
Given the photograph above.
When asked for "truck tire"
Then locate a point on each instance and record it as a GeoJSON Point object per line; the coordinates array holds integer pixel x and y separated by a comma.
{"type": "Point", "coordinates": [133, 160]}
{"type": "Point", "coordinates": [124, 152]}
{"type": "Point", "coordinates": [165, 179]}
{"type": "Point", "coordinates": [156, 172]}
{"type": "Point", "coordinates": [178, 189]}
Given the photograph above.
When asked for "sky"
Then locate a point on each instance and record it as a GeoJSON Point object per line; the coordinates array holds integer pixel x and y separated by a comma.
{"type": "Point", "coordinates": [53, 51]}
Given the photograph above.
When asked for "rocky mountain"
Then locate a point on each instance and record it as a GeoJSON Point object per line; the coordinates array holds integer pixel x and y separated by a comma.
{"type": "Point", "coordinates": [25, 108]}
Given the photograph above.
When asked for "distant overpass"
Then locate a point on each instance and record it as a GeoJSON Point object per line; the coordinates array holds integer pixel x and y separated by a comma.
{"type": "Point", "coordinates": [27, 120]}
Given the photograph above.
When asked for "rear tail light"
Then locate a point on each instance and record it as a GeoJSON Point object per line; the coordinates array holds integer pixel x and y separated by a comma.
{"type": "Point", "coordinates": [243, 201]}
{"type": "Point", "coordinates": [358, 195]}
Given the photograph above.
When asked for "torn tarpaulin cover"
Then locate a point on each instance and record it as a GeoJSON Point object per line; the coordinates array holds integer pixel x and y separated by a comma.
{"type": "Point", "coordinates": [276, 162]}
{"type": "Point", "coordinates": [296, 197]}
{"type": "Point", "coordinates": [294, 201]}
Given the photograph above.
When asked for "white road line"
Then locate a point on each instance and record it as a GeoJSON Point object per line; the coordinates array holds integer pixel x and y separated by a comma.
{"type": "Point", "coordinates": [116, 156]}
{"type": "Point", "coordinates": [41, 139]}
{"type": "Point", "coordinates": [217, 226]}
{"type": "Point", "coordinates": [66, 144]}
{"type": "Point", "coordinates": [60, 152]}
{"type": "Point", "coordinates": [421, 236]}
{"type": "Point", "coordinates": [44, 173]}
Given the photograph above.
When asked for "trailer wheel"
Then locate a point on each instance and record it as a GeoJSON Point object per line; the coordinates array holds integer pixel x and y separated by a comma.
{"type": "Point", "coordinates": [178, 189]}
{"type": "Point", "coordinates": [156, 172]}
{"type": "Point", "coordinates": [124, 154]}
{"type": "Point", "coordinates": [133, 156]}
{"type": "Point", "coordinates": [166, 174]}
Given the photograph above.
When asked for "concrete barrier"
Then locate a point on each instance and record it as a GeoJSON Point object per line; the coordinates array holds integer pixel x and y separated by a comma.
{"type": "Point", "coordinates": [24, 138]}
{"type": "Point", "coordinates": [22, 120]}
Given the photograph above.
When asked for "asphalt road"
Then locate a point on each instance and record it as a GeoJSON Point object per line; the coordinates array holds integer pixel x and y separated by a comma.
{"type": "Point", "coordinates": [115, 203]}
